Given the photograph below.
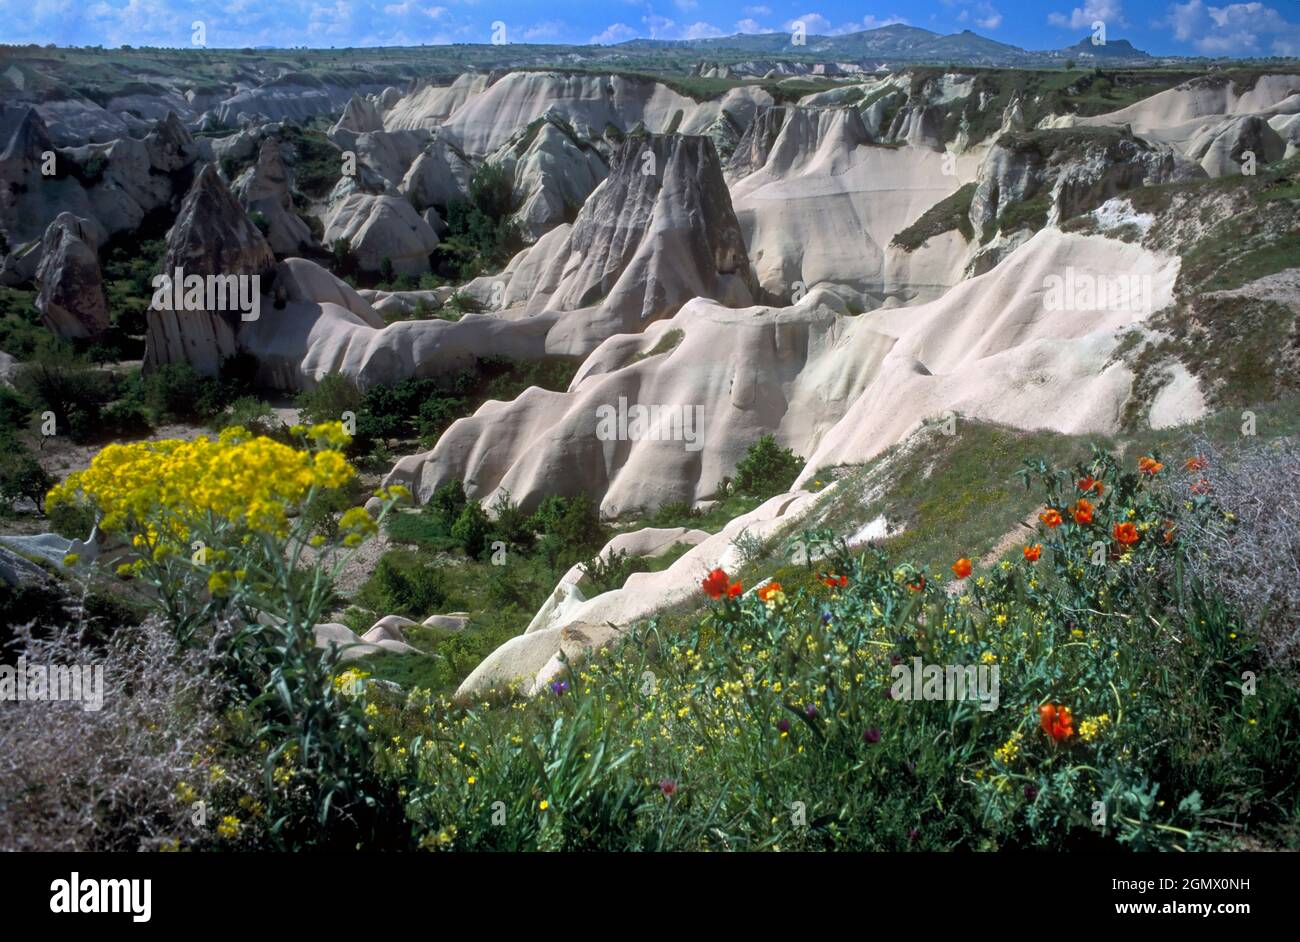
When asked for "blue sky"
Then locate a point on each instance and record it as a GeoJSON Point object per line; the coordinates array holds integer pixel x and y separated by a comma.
{"type": "Point", "coordinates": [1189, 27]}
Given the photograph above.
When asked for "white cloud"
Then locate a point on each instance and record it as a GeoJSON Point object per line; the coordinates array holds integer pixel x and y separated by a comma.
{"type": "Point", "coordinates": [686, 5]}
{"type": "Point", "coordinates": [752, 26]}
{"type": "Point", "coordinates": [1234, 29]}
{"type": "Point", "coordinates": [701, 31]}
{"type": "Point", "coordinates": [659, 27]}
{"type": "Point", "coordinates": [544, 32]}
{"type": "Point", "coordinates": [1110, 12]}
{"type": "Point", "coordinates": [614, 33]}
{"type": "Point", "coordinates": [759, 11]}
{"type": "Point", "coordinates": [870, 22]}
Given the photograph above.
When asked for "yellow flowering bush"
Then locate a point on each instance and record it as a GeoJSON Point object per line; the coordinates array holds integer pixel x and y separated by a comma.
{"type": "Point", "coordinates": [219, 530]}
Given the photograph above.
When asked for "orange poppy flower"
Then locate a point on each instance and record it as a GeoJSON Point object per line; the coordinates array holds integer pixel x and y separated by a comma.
{"type": "Point", "coordinates": [1196, 463]}
{"type": "Point", "coordinates": [1082, 512]}
{"type": "Point", "coordinates": [833, 581]}
{"type": "Point", "coordinates": [1051, 518]}
{"type": "Point", "coordinates": [1056, 720]}
{"type": "Point", "coordinates": [1126, 534]}
{"type": "Point", "coordinates": [1033, 552]}
{"type": "Point", "coordinates": [1150, 466]}
{"type": "Point", "coordinates": [734, 590]}
{"type": "Point", "coordinates": [918, 585]}
{"type": "Point", "coordinates": [962, 568]}
{"type": "Point", "coordinates": [1090, 483]}
{"type": "Point", "coordinates": [714, 584]}
{"type": "Point", "coordinates": [1170, 529]}
{"type": "Point", "coordinates": [768, 591]}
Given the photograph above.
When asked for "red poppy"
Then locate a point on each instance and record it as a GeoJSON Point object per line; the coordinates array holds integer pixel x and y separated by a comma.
{"type": "Point", "coordinates": [918, 585]}
{"type": "Point", "coordinates": [1082, 512]}
{"type": "Point", "coordinates": [1150, 466]}
{"type": "Point", "coordinates": [1056, 720]}
{"type": "Point", "coordinates": [714, 584]}
{"type": "Point", "coordinates": [962, 568]}
{"type": "Point", "coordinates": [1033, 552]}
{"type": "Point", "coordinates": [1126, 534]}
{"type": "Point", "coordinates": [1201, 487]}
{"type": "Point", "coordinates": [1051, 518]}
{"type": "Point", "coordinates": [734, 590]}
{"type": "Point", "coordinates": [1196, 463]}
{"type": "Point", "coordinates": [1090, 483]}
{"type": "Point", "coordinates": [768, 591]}
{"type": "Point", "coordinates": [833, 581]}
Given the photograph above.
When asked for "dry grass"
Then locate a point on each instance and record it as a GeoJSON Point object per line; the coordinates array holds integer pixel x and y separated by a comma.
{"type": "Point", "coordinates": [73, 779]}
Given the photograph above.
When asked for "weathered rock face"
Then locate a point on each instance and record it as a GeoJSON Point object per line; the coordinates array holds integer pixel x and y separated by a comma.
{"type": "Point", "coordinates": [1222, 149]}
{"type": "Point", "coordinates": [659, 231]}
{"type": "Point", "coordinates": [360, 115]}
{"type": "Point", "coordinates": [554, 171]}
{"type": "Point", "coordinates": [382, 227]}
{"type": "Point", "coordinates": [1076, 169]}
{"type": "Point", "coordinates": [213, 236]}
{"type": "Point", "coordinates": [439, 176]}
{"type": "Point", "coordinates": [755, 144]}
{"type": "Point", "coordinates": [113, 186]}
{"type": "Point", "coordinates": [265, 189]}
{"type": "Point", "coordinates": [71, 299]}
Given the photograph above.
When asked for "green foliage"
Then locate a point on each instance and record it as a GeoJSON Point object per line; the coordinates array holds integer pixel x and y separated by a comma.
{"type": "Point", "coordinates": [767, 469]}
{"type": "Point", "coordinates": [404, 583]}
{"type": "Point", "coordinates": [570, 529]}
{"type": "Point", "coordinates": [21, 475]}
{"type": "Point", "coordinates": [472, 530]}
{"type": "Point", "coordinates": [951, 212]}
{"type": "Point", "coordinates": [481, 237]}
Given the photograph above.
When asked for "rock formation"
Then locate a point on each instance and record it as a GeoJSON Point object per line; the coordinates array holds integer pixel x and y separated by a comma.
{"type": "Point", "coordinates": [214, 239]}
{"type": "Point", "coordinates": [71, 299]}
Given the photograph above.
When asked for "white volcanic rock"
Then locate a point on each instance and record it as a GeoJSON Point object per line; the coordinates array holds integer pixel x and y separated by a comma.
{"type": "Point", "coordinates": [316, 324]}
{"type": "Point", "coordinates": [727, 377]}
{"type": "Point", "coordinates": [554, 171]}
{"type": "Point", "coordinates": [1079, 168]}
{"type": "Point", "coordinates": [438, 176]}
{"type": "Point", "coordinates": [390, 154]}
{"type": "Point", "coordinates": [265, 189]}
{"type": "Point", "coordinates": [427, 105]}
{"type": "Point", "coordinates": [360, 115]}
{"type": "Point", "coordinates": [71, 299]}
{"type": "Point", "coordinates": [213, 236]}
{"type": "Point", "coordinates": [589, 103]}
{"type": "Point", "coordinates": [353, 646]}
{"type": "Point", "coordinates": [825, 203]}
{"type": "Point", "coordinates": [1220, 149]}
{"type": "Point", "coordinates": [657, 232]}
{"type": "Point", "coordinates": [1000, 347]}
{"type": "Point", "coordinates": [113, 186]}
{"type": "Point", "coordinates": [294, 97]}
{"type": "Point", "coordinates": [574, 588]}
{"type": "Point", "coordinates": [1204, 109]}
{"type": "Point", "coordinates": [379, 227]}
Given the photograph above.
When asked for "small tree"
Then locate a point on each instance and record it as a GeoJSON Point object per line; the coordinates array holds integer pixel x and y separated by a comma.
{"type": "Point", "coordinates": [767, 469]}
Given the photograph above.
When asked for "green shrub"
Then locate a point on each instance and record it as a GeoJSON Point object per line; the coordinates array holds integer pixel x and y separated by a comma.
{"type": "Point", "coordinates": [404, 584]}
{"type": "Point", "coordinates": [481, 236]}
{"type": "Point", "coordinates": [472, 530]}
{"type": "Point", "coordinates": [767, 469]}
{"type": "Point", "coordinates": [21, 475]}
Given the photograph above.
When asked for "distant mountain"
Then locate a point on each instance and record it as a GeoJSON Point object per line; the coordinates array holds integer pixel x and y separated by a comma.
{"type": "Point", "coordinates": [900, 43]}
{"type": "Point", "coordinates": [1112, 50]}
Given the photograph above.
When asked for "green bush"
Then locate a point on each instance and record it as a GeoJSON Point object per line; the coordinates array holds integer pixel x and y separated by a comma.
{"type": "Point", "coordinates": [472, 530]}
{"type": "Point", "coordinates": [404, 584]}
{"type": "Point", "coordinates": [481, 236]}
{"type": "Point", "coordinates": [767, 469]}
{"type": "Point", "coordinates": [570, 529]}
{"type": "Point", "coordinates": [21, 475]}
